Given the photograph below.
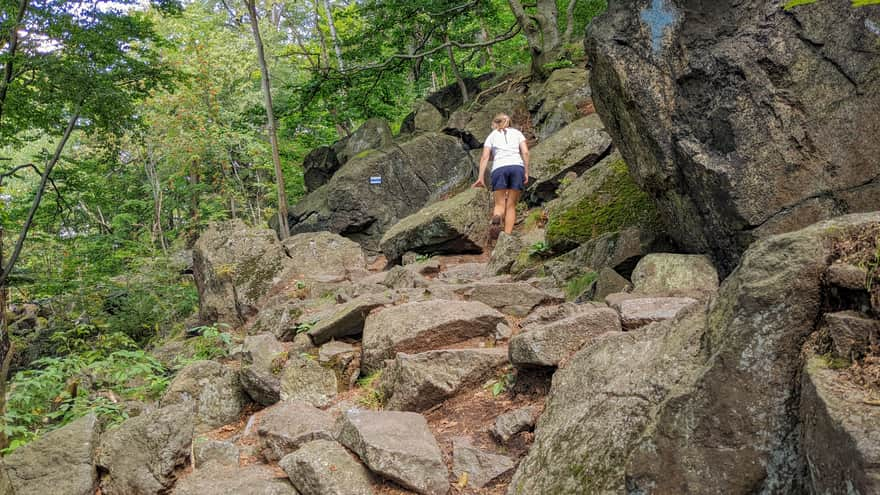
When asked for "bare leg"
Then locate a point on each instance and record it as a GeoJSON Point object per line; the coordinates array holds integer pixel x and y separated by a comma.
{"type": "Point", "coordinates": [510, 210]}
{"type": "Point", "coordinates": [500, 198]}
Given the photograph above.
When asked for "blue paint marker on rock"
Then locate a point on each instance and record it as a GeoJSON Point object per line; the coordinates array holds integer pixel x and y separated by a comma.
{"type": "Point", "coordinates": [659, 18]}
{"type": "Point", "coordinates": [375, 179]}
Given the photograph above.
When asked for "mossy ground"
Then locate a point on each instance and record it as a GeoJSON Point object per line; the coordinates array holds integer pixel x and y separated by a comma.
{"type": "Point", "coordinates": [617, 203]}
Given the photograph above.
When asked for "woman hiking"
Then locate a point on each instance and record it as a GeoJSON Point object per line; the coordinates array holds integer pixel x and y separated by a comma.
{"type": "Point", "coordinates": [509, 153]}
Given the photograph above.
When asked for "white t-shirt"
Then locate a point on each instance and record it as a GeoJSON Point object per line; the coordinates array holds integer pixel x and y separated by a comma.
{"type": "Point", "coordinates": [505, 147]}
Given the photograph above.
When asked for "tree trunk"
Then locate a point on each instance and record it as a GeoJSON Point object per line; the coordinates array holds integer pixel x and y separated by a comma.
{"type": "Point", "coordinates": [283, 228]}
{"type": "Point", "coordinates": [6, 353]}
{"type": "Point", "coordinates": [541, 31]}
{"type": "Point", "coordinates": [461, 84]}
{"type": "Point", "coordinates": [158, 236]}
{"type": "Point", "coordinates": [9, 68]}
{"type": "Point", "coordinates": [333, 36]}
{"type": "Point", "coordinates": [325, 56]}
{"type": "Point", "coordinates": [569, 22]}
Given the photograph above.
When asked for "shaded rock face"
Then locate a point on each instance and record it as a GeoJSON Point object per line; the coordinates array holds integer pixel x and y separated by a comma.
{"type": "Point", "coordinates": [457, 225]}
{"type": "Point", "coordinates": [619, 250]}
{"type": "Point", "coordinates": [318, 166]}
{"type": "Point", "coordinates": [413, 174]}
{"type": "Point", "coordinates": [374, 134]}
{"type": "Point", "coordinates": [233, 266]}
{"type": "Point", "coordinates": [554, 103]}
{"type": "Point", "coordinates": [60, 462]}
{"type": "Point", "coordinates": [141, 455]}
{"type": "Point", "coordinates": [574, 149]}
{"type": "Point", "coordinates": [839, 435]}
{"type": "Point", "coordinates": [324, 256]}
{"type": "Point", "coordinates": [731, 369]}
{"type": "Point", "coordinates": [449, 98]}
{"type": "Point", "coordinates": [724, 135]}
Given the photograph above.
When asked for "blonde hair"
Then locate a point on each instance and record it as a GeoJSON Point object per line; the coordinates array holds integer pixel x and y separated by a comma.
{"type": "Point", "coordinates": [501, 121]}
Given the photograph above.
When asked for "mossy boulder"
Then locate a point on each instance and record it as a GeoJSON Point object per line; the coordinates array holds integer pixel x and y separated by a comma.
{"type": "Point", "coordinates": [603, 200]}
{"type": "Point", "coordinates": [374, 134]}
{"type": "Point", "coordinates": [457, 225]}
{"type": "Point", "coordinates": [555, 103]}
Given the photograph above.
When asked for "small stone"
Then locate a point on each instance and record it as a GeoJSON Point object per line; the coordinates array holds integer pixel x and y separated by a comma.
{"type": "Point", "coordinates": [852, 333]}
{"type": "Point", "coordinates": [509, 424]}
{"type": "Point", "coordinates": [638, 311]}
{"type": "Point", "coordinates": [263, 359]}
{"type": "Point", "coordinates": [323, 467]}
{"type": "Point", "coordinates": [502, 332]}
{"type": "Point", "coordinates": [479, 466]}
{"type": "Point", "coordinates": [847, 276]}
{"type": "Point", "coordinates": [334, 350]}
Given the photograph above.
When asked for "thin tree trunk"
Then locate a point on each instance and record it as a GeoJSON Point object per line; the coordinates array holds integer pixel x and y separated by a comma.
{"type": "Point", "coordinates": [8, 70]}
{"type": "Point", "coordinates": [569, 22]}
{"type": "Point", "coordinates": [461, 84]}
{"type": "Point", "coordinates": [322, 42]}
{"type": "Point", "coordinates": [38, 197]}
{"type": "Point", "coordinates": [333, 36]}
{"type": "Point", "coordinates": [283, 228]}
{"type": "Point", "coordinates": [6, 351]}
{"type": "Point", "coordinates": [153, 176]}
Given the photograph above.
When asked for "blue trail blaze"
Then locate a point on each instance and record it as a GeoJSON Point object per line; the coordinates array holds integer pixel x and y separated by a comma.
{"type": "Point", "coordinates": [659, 18]}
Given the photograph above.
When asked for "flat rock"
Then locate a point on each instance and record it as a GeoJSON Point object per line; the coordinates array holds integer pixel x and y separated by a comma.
{"type": "Point", "coordinates": [552, 343]}
{"type": "Point", "coordinates": [400, 277]}
{"type": "Point", "coordinates": [398, 446]}
{"type": "Point", "coordinates": [415, 382]}
{"type": "Point", "coordinates": [456, 225]}
{"type": "Point", "coordinates": [852, 333]}
{"type": "Point", "coordinates": [206, 450]}
{"type": "Point", "coordinates": [323, 256]}
{"type": "Point", "coordinates": [847, 276]}
{"type": "Point", "coordinates": [464, 273]}
{"type": "Point", "coordinates": [304, 379]}
{"type": "Point", "coordinates": [675, 274]}
{"type": "Point", "coordinates": [263, 359]}
{"type": "Point", "coordinates": [215, 391]}
{"type": "Point", "coordinates": [143, 453]}
{"type": "Point", "coordinates": [348, 319]}
{"type": "Point", "coordinates": [422, 326]}
{"type": "Point", "coordinates": [62, 461]}
{"type": "Point", "coordinates": [511, 423]}
{"type": "Point", "coordinates": [288, 425]}
{"type": "Point", "coordinates": [638, 311]}
{"type": "Point", "coordinates": [218, 479]}
{"type": "Point", "coordinates": [516, 299]}
{"type": "Point", "coordinates": [839, 434]}
{"type": "Point", "coordinates": [335, 350]}
{"type": "Point", "coordinates": [323, 467]}
{"type": "Point", "coordinates": [480, 467]}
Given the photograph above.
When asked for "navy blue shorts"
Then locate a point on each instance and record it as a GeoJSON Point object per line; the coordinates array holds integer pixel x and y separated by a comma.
{"type": "Point", "coordinates": [509, 177]}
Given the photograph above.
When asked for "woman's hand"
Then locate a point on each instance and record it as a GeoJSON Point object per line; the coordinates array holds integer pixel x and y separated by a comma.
{"type": "Point", "coordinates": [479, 183]}
{"type": "Point", "coordinates": [526, 179]}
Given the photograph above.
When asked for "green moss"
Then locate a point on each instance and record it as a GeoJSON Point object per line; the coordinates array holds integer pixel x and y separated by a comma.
{"type": "Point", "coordinates": [365, 153]}
{"type": "Point", "coordinates": [835, 363]}
{"type": "Point", "coordinates": [578, 285]}
{"type": "Point", "coordinates": [617, 203]}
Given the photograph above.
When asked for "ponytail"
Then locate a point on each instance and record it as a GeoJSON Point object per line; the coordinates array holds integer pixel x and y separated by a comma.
{"type": "Point", "coordinates": [501, 122]}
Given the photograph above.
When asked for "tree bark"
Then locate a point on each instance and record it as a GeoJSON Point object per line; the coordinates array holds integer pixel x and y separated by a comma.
{"type": "Point", "coordinates": [461, 84]}
{"type": "Point", "coordinates": [283, 228]}
{"type": "Point", "coordinates": [41, 188]}
{"type": "Point", "coordinates": [6, 353]}
{"type": "Point", "coordinates": [325, 56]}
{"type": "Point", "coordinates": [9, 68]}
{"type": "Point", "coordinates": [569, 22]}
{"type": "Point", "coordinates": [333, 36]}
{"type": "Point", "coordinates": [541, 31]}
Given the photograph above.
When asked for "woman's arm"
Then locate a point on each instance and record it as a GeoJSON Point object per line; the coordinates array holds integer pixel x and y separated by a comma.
{"type": "Point", "coordinates": [524, 152]}
{"type": "Point", "coordinates": [484, 161]}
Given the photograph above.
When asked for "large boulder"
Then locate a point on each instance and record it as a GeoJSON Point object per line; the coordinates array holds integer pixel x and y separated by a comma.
{"type": "Point", "coordinates": [552, 343]}
{"type": "Point", "coordinates": [324, 256]}
{"type": "Point", "coordinates": [448, 98]}
{"type": "Point", "coordinates": [213, 389]}
{"type": "Point", "coordinates": [288, 425]}
{"type": "Point", "coordinates": [602, 200]}
{"type": "Point", "coordinates": [398, 446]}
{"type": "Point", "coordinates": [839, 434]}
{"type": "Point", "coordinates": [141, 455]}
{"type": "Point", "coordinates": [457, 225]}
{"type": "Point", "coordinates": [219, 479]}
{"type": "Point", "coordinates": [620, 251]}
{"type": "Point", "coordinates": [304, 379]}
{"type": "Point", "coordinates": [555, 103]}
{"type": "Point", "coordinates": [415, 382]}
{"type": "Point", "coordinates": [516, 299]}
{"type": "Point", "coordinates": [613, 420]}
{"type": "Point", "coordinates": [574, 149]}
{"type": "Point", "coordinates": [422, 326]}
{"type": "Point", "coordinates": [725, 135]}
{"type": "Point", "coordinates": [263, 359]}
{"type": "Point", "coordinates": [474, 126]}
{"type": "Point", "coordinates": [413, 174]}
{"type": "Point", "coordinates": [318, 166]}
{"type": "Point", "coordinates": [62, 461]}
{"type": "Point", "coordinates": [234, 266]}
{"type": "Point", "coordinates": [323, 467]}
{"type": "Point", "coordinates": [347, 319]}
{"type": "Point", "coordinates": [374, 134]}
{"type": "Point", "coordinates": [675, 274]}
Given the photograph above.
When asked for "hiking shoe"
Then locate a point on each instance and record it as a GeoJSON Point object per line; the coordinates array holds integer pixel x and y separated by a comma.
{"type": "Point", "coordinates": [495, 228]}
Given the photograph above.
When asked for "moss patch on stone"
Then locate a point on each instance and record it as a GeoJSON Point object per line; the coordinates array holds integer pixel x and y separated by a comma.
{"type": "Point", "coordinates": [615, 204]}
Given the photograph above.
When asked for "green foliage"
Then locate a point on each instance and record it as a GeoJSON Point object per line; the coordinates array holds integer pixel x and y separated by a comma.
{"type": "Point", "coordinates": [211, 343]}
{"type": "Point", "coordinates": [578, 285]}
{"type": "Point", "coordinates": [502, 383]}
{"type": "Point", "coordinates": [372, 397]}
{"type": "Point", "coordinates": [539, 249]}
{"type": "Point", "coordinates": [617, 203]}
